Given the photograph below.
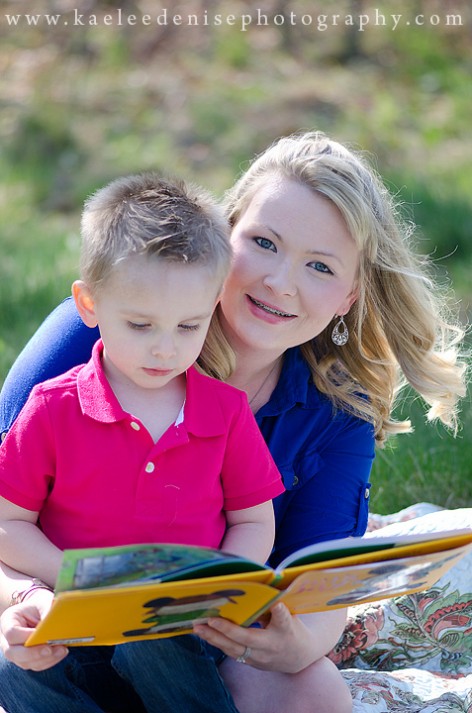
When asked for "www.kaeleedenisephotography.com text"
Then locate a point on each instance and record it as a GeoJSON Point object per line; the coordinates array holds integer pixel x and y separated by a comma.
{"type": "Point", "coordinates": [164, 16]}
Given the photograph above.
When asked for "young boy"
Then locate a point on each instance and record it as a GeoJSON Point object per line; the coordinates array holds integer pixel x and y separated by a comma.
{"type": "Point", "coordinates": [138, 446]}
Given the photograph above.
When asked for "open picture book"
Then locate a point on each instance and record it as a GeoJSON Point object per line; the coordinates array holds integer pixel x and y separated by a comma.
{"type": "Point", "coordinates": [117, 594]}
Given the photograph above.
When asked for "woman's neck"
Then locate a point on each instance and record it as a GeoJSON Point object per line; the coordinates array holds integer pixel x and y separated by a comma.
{"type": "Point", "coordinates": [257, 374]}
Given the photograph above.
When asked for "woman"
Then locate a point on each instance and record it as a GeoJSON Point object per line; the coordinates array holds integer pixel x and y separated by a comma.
{"type": "Point", "coordinates": [325, 311]}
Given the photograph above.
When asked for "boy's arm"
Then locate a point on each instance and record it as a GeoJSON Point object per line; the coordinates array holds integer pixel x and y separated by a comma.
{"type": "Point", "coordinates": [11, 582]}
{"type": "Point", "coordinates": [250, 532]}
{"type": "Point", "coordinates": [24, 546]}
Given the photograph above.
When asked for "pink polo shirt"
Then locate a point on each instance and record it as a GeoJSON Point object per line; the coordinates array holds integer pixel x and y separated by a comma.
{"type": "Point", "coordinates": [97, 478]}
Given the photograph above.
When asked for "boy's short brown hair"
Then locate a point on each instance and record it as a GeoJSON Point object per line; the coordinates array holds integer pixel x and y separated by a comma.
{"type": "Point", "coordinates": [147, 214]}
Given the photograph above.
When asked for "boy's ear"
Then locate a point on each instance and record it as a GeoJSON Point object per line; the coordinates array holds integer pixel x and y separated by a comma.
{"type": "Point", "coordinates": [84, 302]}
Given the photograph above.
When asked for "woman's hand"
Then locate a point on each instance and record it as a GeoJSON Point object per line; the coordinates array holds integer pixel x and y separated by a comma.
{"type": "Point", "coordinates": [16, 623]}
{"type": "Point", "coordinates": [285, 645]}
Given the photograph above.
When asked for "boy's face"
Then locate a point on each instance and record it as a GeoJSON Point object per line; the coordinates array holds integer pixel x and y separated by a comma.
{"type": "Point", "coordinates": [153, 317]}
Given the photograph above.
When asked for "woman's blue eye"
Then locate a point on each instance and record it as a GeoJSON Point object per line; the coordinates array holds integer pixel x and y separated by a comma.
{"type": "Point", "coordinates": [266, 244]}
{"type": "Point", "coordinates": [320, 267]}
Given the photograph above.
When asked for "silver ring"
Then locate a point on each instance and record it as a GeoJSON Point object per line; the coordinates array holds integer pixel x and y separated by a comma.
{"type": "Point", "coordinates": [244, 656]}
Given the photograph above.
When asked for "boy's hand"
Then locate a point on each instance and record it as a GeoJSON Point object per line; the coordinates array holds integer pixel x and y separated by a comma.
{"type": "Point", "coordinates": [16, 624]}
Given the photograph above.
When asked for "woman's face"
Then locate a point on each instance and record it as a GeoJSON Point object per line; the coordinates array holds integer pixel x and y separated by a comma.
{"type": "Point", "coordinates": [294, 269]}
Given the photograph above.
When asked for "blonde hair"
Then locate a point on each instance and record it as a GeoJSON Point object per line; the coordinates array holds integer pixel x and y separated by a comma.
{"type": "Point", "coordinates": [397, 331]}
{"type": "Point", "coordinates": [154, 216]}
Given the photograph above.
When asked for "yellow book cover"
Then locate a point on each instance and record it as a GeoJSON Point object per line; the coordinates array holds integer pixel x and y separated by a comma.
{"type": "Point", "coordinates": [118, 594]}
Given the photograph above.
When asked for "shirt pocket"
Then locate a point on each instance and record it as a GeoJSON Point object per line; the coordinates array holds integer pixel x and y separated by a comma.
{"type": "Point", "coordinates": [363, 510]}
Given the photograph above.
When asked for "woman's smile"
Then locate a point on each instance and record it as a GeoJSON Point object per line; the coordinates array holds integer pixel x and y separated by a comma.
{"type": "Point", "coordinates": [269, 310]}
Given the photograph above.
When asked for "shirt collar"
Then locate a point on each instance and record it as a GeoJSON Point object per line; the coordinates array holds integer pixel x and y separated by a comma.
{"type": "Point", "coordinates": [295, 386]}
{"type": "Point", "coordinates": [203, 415]}
{"type": "Point", "coordinates": [96, 397]}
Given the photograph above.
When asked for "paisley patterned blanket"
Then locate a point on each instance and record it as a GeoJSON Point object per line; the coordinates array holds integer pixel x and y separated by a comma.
{"type": "Point", "coordinates": [413, 653]}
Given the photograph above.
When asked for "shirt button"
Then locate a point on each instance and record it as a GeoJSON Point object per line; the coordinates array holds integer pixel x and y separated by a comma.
{"type": "Point", "coordinates": [366, 493]}
{"type": "Point", "coordinates": [3, 436]}
{"type": "Point", "coordinates": [295, 480]}
{"type": "Point", "coordinates": [135, 426]}
{"type": "Point", "coordinates": [149, 467]}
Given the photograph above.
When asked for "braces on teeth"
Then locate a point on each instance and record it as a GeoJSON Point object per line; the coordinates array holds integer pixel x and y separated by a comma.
{"type": "Point", "coordinates": [271, 310]}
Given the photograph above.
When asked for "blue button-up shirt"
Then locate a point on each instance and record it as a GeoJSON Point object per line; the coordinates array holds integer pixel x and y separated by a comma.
{"type": "Point", "coordinates": [325, 457]}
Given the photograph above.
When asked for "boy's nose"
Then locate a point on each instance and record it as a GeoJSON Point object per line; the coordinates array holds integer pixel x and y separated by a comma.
{"type": "Point", "coordinates": [163, 348]}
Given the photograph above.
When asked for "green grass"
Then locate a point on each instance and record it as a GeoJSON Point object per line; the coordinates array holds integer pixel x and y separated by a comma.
{"type": "Point", "coordinates": [428, 465]}
{"type": "Point", "coordinates": [37, 267]}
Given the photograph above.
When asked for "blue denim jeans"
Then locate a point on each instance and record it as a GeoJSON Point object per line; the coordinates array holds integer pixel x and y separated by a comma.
{"type": "Point", "coordinates": [155, 676]}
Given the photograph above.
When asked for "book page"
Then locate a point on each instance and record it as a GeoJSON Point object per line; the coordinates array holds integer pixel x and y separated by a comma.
{"type": "Point", "coordinates": [352, 546]}
{"type": "Point", "coordinates": [135, 564]}
{"type": "Point", "coordinates": [324, 589]}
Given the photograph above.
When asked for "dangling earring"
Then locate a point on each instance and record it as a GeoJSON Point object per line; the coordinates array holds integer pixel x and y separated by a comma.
{"type": "Point", "coordinates": [340, 333]}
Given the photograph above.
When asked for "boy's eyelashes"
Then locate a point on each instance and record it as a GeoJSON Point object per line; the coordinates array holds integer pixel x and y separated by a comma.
{"type": "Point", "coordinates": [189, 327]}
{"type": "Point", "coordinates": [137, 325]}
{"type": "Point", "coordinates": [145, 325]}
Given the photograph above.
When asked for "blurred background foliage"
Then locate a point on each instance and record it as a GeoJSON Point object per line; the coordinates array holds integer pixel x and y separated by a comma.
{"type": "Point", "coordinates": [82, 104]}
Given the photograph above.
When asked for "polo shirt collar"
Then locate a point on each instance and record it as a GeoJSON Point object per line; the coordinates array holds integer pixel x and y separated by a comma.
{"type": "Point", "coordinates": [96, 397]}
{"type": "Point", "coordinates": [203, 415]}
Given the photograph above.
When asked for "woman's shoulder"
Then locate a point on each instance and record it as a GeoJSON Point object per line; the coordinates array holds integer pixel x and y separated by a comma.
{"type": "Point", "coordinates": [297, 379]}
{"type": "Point", "coordinates": [296, 387]}
{"type": "Point", "coordinates": [308, 419]}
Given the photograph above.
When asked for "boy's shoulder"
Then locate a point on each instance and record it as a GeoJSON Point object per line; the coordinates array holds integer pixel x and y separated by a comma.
{"type": "Point", "coordinates": [206, 389]}
{"type": "Point", "coordinates": [62, 383]}
{"type": "Point", "coordinates": [213, 408]}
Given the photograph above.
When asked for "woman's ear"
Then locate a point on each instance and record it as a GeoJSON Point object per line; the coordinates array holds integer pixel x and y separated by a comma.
{"type": "Point", "coordinates": [84, 302]}
{"type": "Point", "coordinates": [348, 302]}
